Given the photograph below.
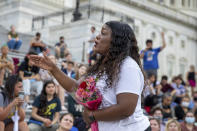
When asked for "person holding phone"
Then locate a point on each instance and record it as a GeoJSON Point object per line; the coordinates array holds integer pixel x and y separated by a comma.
{"type": "Point", "coordinates": [9, 101]}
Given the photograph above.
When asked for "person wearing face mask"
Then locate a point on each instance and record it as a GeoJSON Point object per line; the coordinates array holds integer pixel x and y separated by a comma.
{"type": "Point", "coordinates": [181, 110]}
{"type": "Point", "coordinates": [188, 124]}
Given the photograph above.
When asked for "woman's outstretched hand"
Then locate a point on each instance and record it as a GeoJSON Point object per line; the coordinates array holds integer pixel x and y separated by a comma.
{"type": "Point", "coordinates": [42, 62]}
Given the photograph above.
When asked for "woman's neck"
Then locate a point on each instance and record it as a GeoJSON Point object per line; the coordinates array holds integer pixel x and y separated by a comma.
{"type": "Point", "coordinates": [61, 129]}
{"type": "Point", "coordinates": [49, 97]}
{"type": "Point", "coordinates": [189, 126]}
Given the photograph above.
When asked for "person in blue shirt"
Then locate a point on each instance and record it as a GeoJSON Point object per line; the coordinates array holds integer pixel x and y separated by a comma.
{"type": "Point", "coordinates": [46, 109]}
{"type": "Point", "coordinates": [150, 56]}
{"type": "Point", "coordinates": [69, 69]}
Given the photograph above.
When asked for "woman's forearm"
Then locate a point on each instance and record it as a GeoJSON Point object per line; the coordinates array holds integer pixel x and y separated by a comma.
{"type": "Point", "coordinates": [4, 114]}
{"type": "Point", "coordinates": [66, 82]}
{"type": "Point", "coordinates": [111, 113]}
{"type": "Point", "coordinates": [56, 118]}
{"type": "Point", "coordinates": [37, 117]}
{"type": "Point", "coordinates": [21, 113]}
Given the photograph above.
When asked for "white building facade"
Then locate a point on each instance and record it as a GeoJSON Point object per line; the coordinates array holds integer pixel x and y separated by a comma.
{"type": "Point", "coordinates": [176, 18]}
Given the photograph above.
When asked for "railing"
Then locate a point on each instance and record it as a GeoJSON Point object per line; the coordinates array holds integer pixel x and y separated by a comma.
{"type": "Point", "coordinates": [53, 2]}
{"type": "Point", "coordinates": [87, 11]}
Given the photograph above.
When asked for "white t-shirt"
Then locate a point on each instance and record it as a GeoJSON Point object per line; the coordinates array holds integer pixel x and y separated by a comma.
{"type": "Point", "coordinates": [91, 44]}
{"type": "Point", "coordinates": [131, 81]}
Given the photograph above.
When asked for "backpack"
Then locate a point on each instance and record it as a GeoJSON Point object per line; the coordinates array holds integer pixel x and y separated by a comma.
{"type": "Point", "coordinates": [4, 96]}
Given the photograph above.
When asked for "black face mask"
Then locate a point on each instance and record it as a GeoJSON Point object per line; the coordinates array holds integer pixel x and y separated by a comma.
{"type": "Point", "coordinates": [166, 107]}
{"type": "Point", "coordinates": [61, 41]}
{"type": "Point", "coordinates": [195, 99]}
{"type": "Point", "coordinates": [150, 49]}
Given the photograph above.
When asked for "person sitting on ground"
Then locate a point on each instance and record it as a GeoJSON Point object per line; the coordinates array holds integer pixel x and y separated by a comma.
{"type": "Point", "coordinates": [36, 44]}
{"type": "Point", "coordinates": [166, 105]}
{"type": "Point", "coordinates": [165, 86]}
{"type": "Point", "coordinates": [157, 113]}
{"type": "Point", "coordinates": [46, 76]}
{"type": "Point", "coordinates": [155, 124]}
{"type": "Point", "coordinates": [69, 69]}
{"type": "Point", "coordinates": [188, 124]}
{"type": "Point", "coordinates": [9, 102]}
{"type": "Point", "coordinates": [182, 109]}
{"type": "Point", "coordinates": [66, 123]}
{"type": "Point", "coordinates": [46, 109]}
{"type": "Point", "coordinates": [6, 65]}
{"type": "Point", "coordinates": [14, 43]}
{"type": "Point", "coordinates": [173, 125]}
{"type": "Point", "coordinates": [179, 88]}
{"type": "Point", "coordinates": [30, 76]}
{"type": "Point", "coordinates": [61, 49]}
{"type": "Point", "coordinates": [82, 70]}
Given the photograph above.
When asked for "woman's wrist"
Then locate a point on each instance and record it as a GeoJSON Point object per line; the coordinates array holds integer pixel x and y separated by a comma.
{"type": "Point", "coordinates": [92, 117]}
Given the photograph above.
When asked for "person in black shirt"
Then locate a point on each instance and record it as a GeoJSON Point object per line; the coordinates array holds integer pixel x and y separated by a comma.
{"type": "Point", "coordinates": [30, 76]}
{"type": "Point", "coordinates": [46, 109]}
{"type": "Point", "coordinates": [190, 77]}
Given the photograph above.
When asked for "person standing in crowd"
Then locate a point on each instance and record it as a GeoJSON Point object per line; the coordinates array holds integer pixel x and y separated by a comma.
{"type": "Point", "coordinates": [14, 43]}
{"type": "Point", "coordinates": [121, 89]}
{"type": "Point", "coordinates": [150, 56]}
{"type": "Point", "coordinates": [6, 65]}
{"type": "Point", "coordinates": [90, 53]}
{"type": "Point", "coordinates": [9, 102]}
{"type": "Point", "coordinates": [157, 113]}
{"type": "Point", "coordinates": [61, 48]}
{"type": "Point", "coordinates": [36, 44]}
{"type": "Point", "coordinates": [191, 78]}
{"type": "Point", "coordinates": [182, 109]}
{"type": "Point", "coordinates": [155, 124]}
{"type": "Point", "coordinates": [188, 124]}
{"type": "Point", "coordinates": [30, 76]}
{"type": "Point", "coordinates": [173, 125]}
{"type": "Point", "coordinates": [46, 109]}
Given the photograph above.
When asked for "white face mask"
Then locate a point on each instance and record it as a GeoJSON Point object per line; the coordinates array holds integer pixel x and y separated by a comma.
{"type": "Point", "coordinates": [185, 104]}
{"type": "Point", "coordinates": [190, 120]}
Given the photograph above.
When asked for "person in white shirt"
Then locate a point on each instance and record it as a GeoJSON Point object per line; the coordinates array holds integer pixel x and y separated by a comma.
{"type": "Point", "coordinates": [121, 80]}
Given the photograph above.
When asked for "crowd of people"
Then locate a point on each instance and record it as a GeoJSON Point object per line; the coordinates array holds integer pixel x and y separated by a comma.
{"type": "Point", "coordinates": [170, 105]}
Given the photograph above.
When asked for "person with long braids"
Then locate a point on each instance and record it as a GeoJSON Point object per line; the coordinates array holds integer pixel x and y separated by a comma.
{"type": "Point", "coordinates": [121, 79]}
{"type": "Point", "coordinates": [46, 109]}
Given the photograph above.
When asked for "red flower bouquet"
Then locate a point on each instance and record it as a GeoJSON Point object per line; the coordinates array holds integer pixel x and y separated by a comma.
{"type": "Point", "coordinates": [89, 96]}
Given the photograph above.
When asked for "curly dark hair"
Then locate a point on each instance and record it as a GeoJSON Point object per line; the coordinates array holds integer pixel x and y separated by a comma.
{"type": "Point", "coordinates": [123, 44]}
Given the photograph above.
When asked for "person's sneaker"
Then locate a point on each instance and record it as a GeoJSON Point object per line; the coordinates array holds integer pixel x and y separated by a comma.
{"type": "Point", "coordinates": [28, 106]}
{"type": "Point", "coordinates": [64, 108]}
